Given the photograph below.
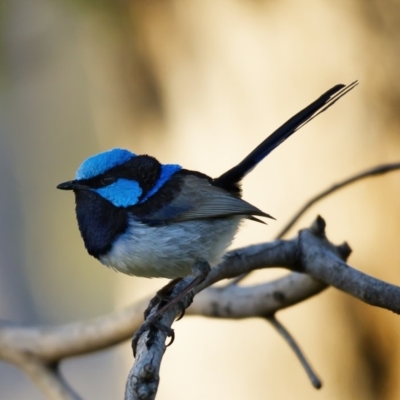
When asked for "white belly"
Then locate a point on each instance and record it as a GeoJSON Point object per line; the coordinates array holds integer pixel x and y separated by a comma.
{"type": "Point", "coordinates": [170, 251]}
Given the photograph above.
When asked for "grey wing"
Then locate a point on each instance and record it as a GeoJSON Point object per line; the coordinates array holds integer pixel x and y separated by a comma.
{"type": "Point", "coordinates": [199, 199]}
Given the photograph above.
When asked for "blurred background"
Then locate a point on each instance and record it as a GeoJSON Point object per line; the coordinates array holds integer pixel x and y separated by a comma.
{"type": "Point", "coordinates": [201, 83]}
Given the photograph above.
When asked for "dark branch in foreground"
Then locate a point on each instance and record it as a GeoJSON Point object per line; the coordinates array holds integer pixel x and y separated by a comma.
{"type": "Point", "coordinates": [310, 252]}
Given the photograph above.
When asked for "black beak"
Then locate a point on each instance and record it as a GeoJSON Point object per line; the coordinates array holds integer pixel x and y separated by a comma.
{"type": "Point", "coordinates": [71, 185]}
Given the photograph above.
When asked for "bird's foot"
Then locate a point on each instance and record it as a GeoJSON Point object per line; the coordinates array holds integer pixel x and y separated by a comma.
{"type": "Point", "coordinates": [184, 306]}
{"type": "Point", "coordinates": [163, 302]}
{"type": "Point", "coordinates": [200, 271]}
{"type": "Point", "coordinates": [161, 298]}
{"type": "Point", "coordinates": [153, 325]}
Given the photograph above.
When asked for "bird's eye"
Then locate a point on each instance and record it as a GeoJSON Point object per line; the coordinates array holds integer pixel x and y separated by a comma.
{"type": "Point", "coordinates": [108, 180]}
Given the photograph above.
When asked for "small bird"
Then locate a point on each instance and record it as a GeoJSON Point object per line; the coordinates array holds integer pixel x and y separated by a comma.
{"type": "Point", "coordinates": [148, 219]}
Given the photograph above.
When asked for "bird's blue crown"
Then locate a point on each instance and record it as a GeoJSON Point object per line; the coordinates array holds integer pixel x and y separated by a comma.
{"type": "Point", "coordinates": [102, 162]}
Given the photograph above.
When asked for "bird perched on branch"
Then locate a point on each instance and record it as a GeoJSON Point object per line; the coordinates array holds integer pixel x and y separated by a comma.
{"type": "Point", "coordinates": [149, 219]}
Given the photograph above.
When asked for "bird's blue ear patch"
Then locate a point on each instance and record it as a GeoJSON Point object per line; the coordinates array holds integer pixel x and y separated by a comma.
{"type": "Point", "coordinates": [102, 162]}
{"type": "Point", "coordinates": [122, 193]}
{"type": "Point", "coordinates": [167, 170]}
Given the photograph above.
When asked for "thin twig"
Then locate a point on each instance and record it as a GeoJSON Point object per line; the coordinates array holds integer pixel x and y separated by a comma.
{"type": "Point", "coordinates": [315, 381]}
{"type": "Point", "coordinates": [379, 170]}
{"type": "Point", "coordinates": [47, 379]}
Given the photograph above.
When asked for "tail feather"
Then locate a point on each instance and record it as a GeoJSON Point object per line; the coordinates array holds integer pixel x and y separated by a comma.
{"type": "Point", "coordinates": [237, 173]}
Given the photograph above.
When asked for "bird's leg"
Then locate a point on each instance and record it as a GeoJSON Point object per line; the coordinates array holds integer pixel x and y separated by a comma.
{"type": "Point", "coordinates": [161, 296]}
{"type": "Point", "coordinates": [200, 271]}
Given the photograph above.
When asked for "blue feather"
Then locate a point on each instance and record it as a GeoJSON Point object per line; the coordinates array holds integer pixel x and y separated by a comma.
{"type": "Point", "coordinates": [101, 163]}
{"type": "Point", "coordinates": [122, 193]}
{"type": "Point", "coordinates": [167, 171]}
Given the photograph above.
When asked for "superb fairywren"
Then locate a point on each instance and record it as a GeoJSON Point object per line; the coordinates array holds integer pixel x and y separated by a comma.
{"type": "Point", "coordinates": [149, 219]}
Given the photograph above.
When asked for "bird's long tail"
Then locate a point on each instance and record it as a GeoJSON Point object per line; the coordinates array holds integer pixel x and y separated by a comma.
{"type": "Point", "coordinates": [235, 174]}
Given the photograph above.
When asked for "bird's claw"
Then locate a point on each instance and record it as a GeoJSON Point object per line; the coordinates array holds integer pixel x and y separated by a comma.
{"type": "Point", "coordinates": [167, 330]}
{"type": "Point", "coordinates": [182, 305]}
{"type": "Point", "coordinates": [149, 325]}
{"type": "Point", "coordinates": [182, 314]}
{"type": "Point", "coordinates": [161, 298]}
{"type": "Point", "coordinates": [162, 302]}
